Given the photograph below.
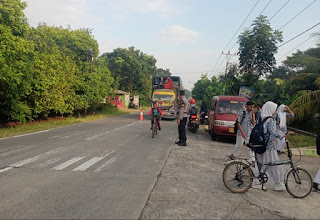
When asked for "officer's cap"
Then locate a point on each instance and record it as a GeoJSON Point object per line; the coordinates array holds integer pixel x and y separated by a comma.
{"type": "Point", "coordinates": [182, 92]}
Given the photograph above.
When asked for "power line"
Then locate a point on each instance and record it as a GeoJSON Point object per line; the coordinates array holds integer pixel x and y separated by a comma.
{"type": "Point", "coordinates": [299, 35]}
{"type": "Point", "coordinates": [296, 47]}
{"type": "Point", "coordinates": [265, 8]}
{"type": "Point", "coordinates": [297, 14]}
{"type": "Point", "coordinates": [279, 10]}
{"type": "Point", "coordinates": [235, 34]}
{"type": "Point", "coordinates": [191, 72]}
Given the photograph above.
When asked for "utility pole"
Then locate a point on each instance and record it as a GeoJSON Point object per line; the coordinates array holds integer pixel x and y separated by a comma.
{"type": "Point", "coordinates": [229, 56]}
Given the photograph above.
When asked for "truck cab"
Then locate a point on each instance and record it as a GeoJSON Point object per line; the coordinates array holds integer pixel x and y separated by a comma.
{"type": "Point", "coordinates": [167, 102]}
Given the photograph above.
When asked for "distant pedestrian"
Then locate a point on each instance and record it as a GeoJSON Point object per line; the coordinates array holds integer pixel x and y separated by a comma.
{"type": "Point", "coordinates": [275, 173]}
{"type": "Point", "coordinates": [169, 83]}
{"type": "Point", "coordinates": [204, 107]}
{"type": "Point", "coordinates": [257, 115]}
{"type": "Point", "coordinates": [245, 122]}
{"type": "Point", "coordinates": [161, 83]}
{"type": "Point", "coordinates": [281, 122]}
{"type": "Point", "coordinates": [316, 181]}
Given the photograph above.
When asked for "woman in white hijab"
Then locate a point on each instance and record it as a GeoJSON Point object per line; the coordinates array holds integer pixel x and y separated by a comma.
{"type": "Point", "coordinates": [274, 173]}
{"type": "Point", "coordinates": [281, 122]}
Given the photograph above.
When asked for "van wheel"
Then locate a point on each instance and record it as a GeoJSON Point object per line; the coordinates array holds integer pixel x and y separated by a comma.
{"type": "Point", "coordinates": [213, 135]}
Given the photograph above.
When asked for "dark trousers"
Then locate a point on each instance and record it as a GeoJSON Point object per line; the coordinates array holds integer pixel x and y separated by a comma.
{"type": "Point", "coordinates": [182, 130]}
{"type": "Point", "coordinates": [155, 118]}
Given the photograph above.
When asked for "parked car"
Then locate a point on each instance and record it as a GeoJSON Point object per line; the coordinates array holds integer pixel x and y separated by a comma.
{"type": "Point", "coordinates": [223, 113]}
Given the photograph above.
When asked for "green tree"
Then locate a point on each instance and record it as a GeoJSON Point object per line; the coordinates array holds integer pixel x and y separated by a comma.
{"type": "Point", "coordinates": [132, 70]}
{"type": "Point", "coordinates": [257, 48]}
{"type": "Point", "coordinates": [162, 72]}
{"type": "Point", "coordinates": [307, 83]}
{"type": "Point", "coordinates": [16, 57]}
{"type": "Point", "coordinates": [204, 89]}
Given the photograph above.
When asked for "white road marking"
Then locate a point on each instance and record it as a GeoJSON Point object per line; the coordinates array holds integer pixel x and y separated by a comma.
{"type": "Point", "coordinates": [23, 135]}
{"type": "Point", "coordinates": [88, 164]}
{"type": "Point", "coordinates": [32, 159]}
{"type": "Point", "coordinates": [108, 163]}
{"type": "Point", "coordinates": [47, 163]}
{"type": "Point", "coordinates": [5, 169]}
{"type": "Point", "coordinates": [55, 136]}
{"type": "Point", "coordinates": [12, 148]}
{"type": "Point", "coordinates": [16, 150]}
{"type": "Point", "coordinates": [107, 132]}
{"type": "Point", "coordinates": [67, 163]}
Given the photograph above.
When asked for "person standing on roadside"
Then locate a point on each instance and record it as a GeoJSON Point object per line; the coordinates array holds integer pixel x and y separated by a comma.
{"type": "Point", "coordinates": [281, 122]}
{"type": "Point", "coordinates": [316, 181]}
{"type": "Point", "coordinates": [245, 122]}
{"type": "Point", "coordinates": [183, 119]}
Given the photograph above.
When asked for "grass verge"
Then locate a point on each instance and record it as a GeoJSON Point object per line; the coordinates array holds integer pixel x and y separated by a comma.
{"type": "Point", "coordinates": [301, 140]}
{"type": "Point", "coordinates": [56, 123]}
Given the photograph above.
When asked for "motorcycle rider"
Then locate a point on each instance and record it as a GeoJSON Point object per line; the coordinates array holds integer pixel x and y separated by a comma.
{"type": "Point", "coordinates": [203, 111]}
{"type": "Point", "coordinates": [193, 108]}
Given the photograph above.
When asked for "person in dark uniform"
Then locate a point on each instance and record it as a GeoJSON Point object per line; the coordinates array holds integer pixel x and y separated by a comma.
{"type": "Point", "coordinates": [183, 118]}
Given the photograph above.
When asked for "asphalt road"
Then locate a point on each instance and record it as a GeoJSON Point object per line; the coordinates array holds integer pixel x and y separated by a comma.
{"type": "Point", "coordinates": [101, 169]}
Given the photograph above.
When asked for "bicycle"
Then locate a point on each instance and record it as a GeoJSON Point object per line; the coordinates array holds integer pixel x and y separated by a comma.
{"type": "Point", "coordinates": [238, 175]}
{"type": "Point", "coordinates": [155, 125]}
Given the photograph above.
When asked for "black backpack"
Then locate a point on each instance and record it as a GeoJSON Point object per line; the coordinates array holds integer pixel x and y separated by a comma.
{"type": "Point", "coordinates": [193, 111]}
{"type": "Point", "coordinates": [235, 129]}
{"type": "Point", "coordinates": [257, 140]}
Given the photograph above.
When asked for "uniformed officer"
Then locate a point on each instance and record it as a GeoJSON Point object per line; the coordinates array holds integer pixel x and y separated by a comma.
{"type": "Point", "coordinates": [183, 118]}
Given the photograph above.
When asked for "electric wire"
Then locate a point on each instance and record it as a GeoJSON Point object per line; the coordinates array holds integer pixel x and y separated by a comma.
{"type": "Point", "coordinates": [295, 47]}
{"type": "Point", "coordinates": [297, 15]}
{"type": "Point", "coordinates": [279, 10]}
{"type": "Point", "coordinates": [299, 35]}
{"type": "Point", "coordinates": [235, 35]}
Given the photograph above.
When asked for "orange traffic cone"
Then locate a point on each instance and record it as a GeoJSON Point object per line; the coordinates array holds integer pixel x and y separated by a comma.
{"type": "Point", "coordinates": [141, 116]}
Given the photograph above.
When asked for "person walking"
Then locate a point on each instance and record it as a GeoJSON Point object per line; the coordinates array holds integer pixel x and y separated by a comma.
{"type": "Point", "coordinates": [245, 122]}
{"type": "Point", "coordinates": [281, 123]}
{"type": "Point", "coordinates": [275, 173]}
{"type": "Point", "coordinates": [183, 119]}
{"type": "Point", "coordinates": [257, 115]}
{"type": "Point", "coordinates": [316, 181]}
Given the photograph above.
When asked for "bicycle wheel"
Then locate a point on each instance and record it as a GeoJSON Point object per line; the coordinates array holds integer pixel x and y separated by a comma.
{"type": "Point", "coordinates": [237, 177]}
{"type": "Point", "coordinates": [298, 183]}
{"type": "Point", "coordinates": [153, 129]}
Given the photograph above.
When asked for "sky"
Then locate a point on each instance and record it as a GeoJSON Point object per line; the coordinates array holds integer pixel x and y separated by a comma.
{"type": "Point", "coordinates": [185, 36]}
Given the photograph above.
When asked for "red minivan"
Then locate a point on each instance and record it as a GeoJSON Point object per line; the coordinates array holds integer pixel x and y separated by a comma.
{"type": "Point", "coordinates": [223, 113]}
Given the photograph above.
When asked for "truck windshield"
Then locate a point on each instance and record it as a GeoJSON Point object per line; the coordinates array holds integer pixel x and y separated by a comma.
{"type": "Point", "coordinates": [231, 107]}
{"type": "Point", "coordinates": [162, 97]}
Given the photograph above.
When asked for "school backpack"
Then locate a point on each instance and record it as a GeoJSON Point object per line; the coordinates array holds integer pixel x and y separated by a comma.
{"type": "Point", "coordinates": [257, 137]}
{"type": "Point", "coordinates": [235, 129]}
{"type": "Point", "coordinates": [193, 111]}
{"type": "Point", "coordinates": [318, 143]}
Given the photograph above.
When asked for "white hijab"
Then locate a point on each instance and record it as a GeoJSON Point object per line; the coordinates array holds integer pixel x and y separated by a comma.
{"type": "Point", "coordinates": [268, 109]}
{"type": "Point", "coordinates": [282, 115]}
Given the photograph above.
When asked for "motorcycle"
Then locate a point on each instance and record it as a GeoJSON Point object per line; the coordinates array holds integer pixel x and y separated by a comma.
{"type": "Point", "coordinates": [193, 124]}
{"type": "Point", "coordinates": [204, 118]}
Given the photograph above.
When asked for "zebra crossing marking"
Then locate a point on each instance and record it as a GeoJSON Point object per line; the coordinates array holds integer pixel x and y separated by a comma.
{"type": "Point", "coordinates": [67, 163]}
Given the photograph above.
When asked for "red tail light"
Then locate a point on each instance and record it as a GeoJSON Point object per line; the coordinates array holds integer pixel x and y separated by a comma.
{"type": "Point", "coordinates": [193, 116]}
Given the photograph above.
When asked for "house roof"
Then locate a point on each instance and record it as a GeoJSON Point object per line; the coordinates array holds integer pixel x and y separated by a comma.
{"type": "Point", "coordinates": [119, 92]}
